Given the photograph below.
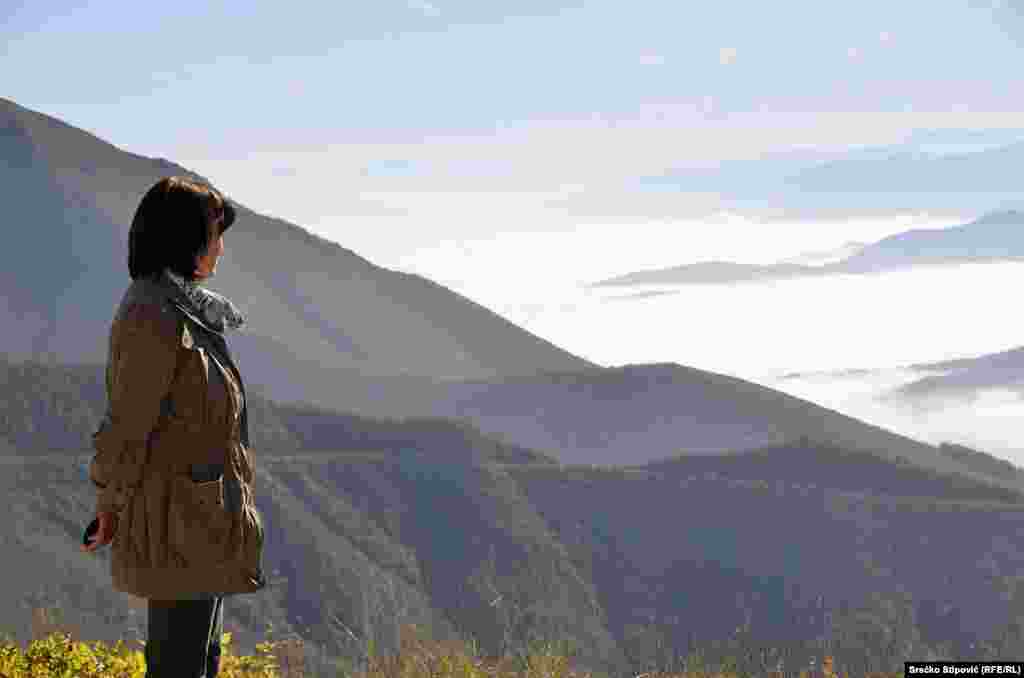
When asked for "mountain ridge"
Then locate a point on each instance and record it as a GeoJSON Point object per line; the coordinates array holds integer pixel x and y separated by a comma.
{"type": "Point", "coordinates": [313, 305]}
{"type": "Point", "coordinates": [898, 252]}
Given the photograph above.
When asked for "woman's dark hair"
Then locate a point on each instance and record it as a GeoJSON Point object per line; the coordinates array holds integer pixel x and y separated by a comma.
{"type": "Point", "coordinates": [171, 226]}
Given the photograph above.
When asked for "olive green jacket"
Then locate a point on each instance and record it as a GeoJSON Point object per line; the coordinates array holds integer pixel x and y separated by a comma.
{"type": "Point", "coordinates": [176, 537]}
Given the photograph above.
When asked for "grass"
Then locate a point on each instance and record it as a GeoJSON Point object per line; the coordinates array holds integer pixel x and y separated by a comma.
{"type": "Point", "coordinates": [53, 652]}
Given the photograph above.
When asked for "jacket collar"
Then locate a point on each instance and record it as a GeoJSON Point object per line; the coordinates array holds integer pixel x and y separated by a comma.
{"type": "Point", "coordinates": [168, 291]}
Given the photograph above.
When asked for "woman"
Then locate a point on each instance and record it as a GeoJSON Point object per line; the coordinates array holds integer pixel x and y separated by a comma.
{"type": "Point", "coordinates": [173, 467]}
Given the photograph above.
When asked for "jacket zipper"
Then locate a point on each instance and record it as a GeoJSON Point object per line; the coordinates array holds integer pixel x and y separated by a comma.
{"type": "Point", "coordinates": [204, 418]}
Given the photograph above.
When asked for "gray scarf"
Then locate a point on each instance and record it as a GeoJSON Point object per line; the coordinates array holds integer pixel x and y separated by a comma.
{"type": "Point", "coordinates": [215, 308]}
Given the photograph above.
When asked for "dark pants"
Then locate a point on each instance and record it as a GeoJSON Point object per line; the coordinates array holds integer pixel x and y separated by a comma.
{"type": "Point", "coordinates": [183, 640]}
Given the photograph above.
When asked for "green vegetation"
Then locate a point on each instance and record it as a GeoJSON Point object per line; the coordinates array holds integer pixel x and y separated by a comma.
{"type": "Point", "coordinates": [54, 653]}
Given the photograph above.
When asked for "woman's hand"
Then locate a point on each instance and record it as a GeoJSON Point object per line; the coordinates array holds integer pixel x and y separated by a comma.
{"type": "Point", "coordinates": [105, 534]}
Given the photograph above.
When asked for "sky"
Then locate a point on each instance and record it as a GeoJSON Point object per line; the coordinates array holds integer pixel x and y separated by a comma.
{"type": "Point", "coordinates": [500, 149]}
{"type": "Point", "coordinates": [391, 125]}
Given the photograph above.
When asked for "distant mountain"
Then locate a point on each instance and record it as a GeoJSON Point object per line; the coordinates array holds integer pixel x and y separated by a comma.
{"type": "Point", "coordinates": [998, 236]}
{"type": "Point", "coordinates": [819, 258]}
{"type": "Point", "coordinates": [963, 172]}
{"type": "Point", "coordinates": [643, 413]}
{"type": "Point", "coordinates": [915, 171]}
{"type": "Point", "coordinates": [964, 378]}
{"type": "Point", "coordinates": [712, 273]}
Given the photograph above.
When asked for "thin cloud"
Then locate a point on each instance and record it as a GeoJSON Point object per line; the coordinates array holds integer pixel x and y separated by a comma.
{"type": "Point", "coordinates": [652, 59]}
{"type": "Point", "coordinates": [884, 36]}
{"type": "Point", "coordinates": [853, 53]}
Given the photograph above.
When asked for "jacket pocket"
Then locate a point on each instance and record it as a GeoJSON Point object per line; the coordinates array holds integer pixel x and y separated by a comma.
{"type": "Point", "coordinates": [199, 526]}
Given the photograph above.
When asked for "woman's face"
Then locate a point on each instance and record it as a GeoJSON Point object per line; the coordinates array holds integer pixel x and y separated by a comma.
{"type": "Point", "coordinates": [206, 264]}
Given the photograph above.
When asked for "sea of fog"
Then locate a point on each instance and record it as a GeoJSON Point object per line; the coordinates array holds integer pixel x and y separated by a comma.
{"type": "Point", "coordinates": [761, 332]}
